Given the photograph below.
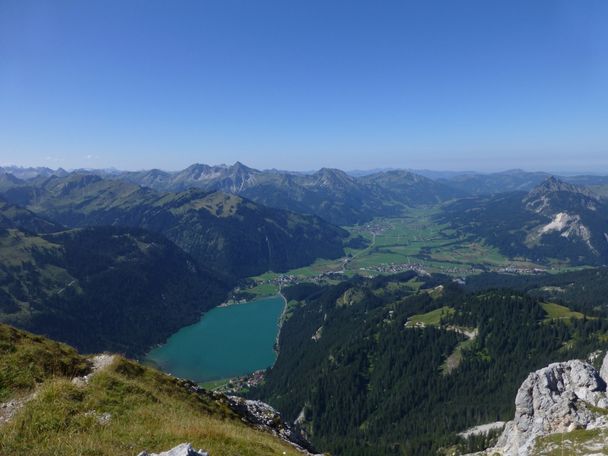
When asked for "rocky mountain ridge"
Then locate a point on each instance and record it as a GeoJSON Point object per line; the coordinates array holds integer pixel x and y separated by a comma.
{"type": "Point", "coordinates": [334, 195]}
{"type": "Point", "coordinates": [575, 214]}
{"type": "Point", "coordinates": [329, 193]}
{"type": "Point", "coordinates": [339, 197]}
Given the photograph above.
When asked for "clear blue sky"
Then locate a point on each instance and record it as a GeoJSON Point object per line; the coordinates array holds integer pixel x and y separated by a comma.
{"type": "Point", "coordinates": [300, 84]}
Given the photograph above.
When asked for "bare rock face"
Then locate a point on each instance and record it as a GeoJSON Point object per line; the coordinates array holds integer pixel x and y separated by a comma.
{"type": "Point", "coordinates": [559, 398]}
{"type": "Point", "coordinates": [266, 418]}
{"type": "Point", "coordinates": [604, 369]}
{"type": "Point", "coordinates": [185, 449]}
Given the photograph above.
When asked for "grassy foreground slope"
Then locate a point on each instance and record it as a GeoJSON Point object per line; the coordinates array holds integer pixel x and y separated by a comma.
{"type": "Point", "coordinates": [122, 409]}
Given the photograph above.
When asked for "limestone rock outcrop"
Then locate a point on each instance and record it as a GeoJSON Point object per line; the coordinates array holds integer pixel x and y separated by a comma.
{"type": "Point", "coordinates": [559, 398]}
{"type": "Point", "coordinates": [264, 417]}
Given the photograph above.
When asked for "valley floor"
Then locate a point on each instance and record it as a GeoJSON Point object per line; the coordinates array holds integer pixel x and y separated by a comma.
{"type": "Point", "coordinates": [415, 242]}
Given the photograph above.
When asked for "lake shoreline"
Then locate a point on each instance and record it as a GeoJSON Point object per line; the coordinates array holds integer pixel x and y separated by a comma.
{"type": "Point", "coordinates": [280, 324]}
{"type": "Point", "coordinates": [228, 341]}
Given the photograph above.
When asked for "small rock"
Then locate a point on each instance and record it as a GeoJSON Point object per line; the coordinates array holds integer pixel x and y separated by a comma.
{"type": "Point", "coordinates": [104, 418]}
{"type": "Point", "coordinates": [185, 449]}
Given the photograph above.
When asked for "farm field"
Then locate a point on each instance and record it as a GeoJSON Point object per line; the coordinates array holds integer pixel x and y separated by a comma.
{"type": "Point", "coordinates": [418, 240]}
{"type": "Point", "coordinates": [412, 242]}
{"type": "Point", "coordinates": [559, 312]}
{"type": "Point", "coordinates": [432, 318]}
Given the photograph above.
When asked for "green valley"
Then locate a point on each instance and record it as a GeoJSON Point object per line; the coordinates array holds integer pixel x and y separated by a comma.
{"type": "Point", "coordinates": [417, 242]}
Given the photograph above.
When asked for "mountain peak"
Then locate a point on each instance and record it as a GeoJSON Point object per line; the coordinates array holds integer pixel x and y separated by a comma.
{"type": "Point", "coordinates": [554, 195]}
{"type": "Point", "coordinates": [330, 171]}
{"type": "Point", "coordinates": [196, 167]}
{"type": "Point", "coordinates": [333, 178]}
{"type": "Point", "coordinates": [239, 167]}
{"type": "Point", "coordinates": [554, 184]}
{"type": "Point", "coordinates": [195, 172]}
{"type": "Point", "coordinates": [333, 173]}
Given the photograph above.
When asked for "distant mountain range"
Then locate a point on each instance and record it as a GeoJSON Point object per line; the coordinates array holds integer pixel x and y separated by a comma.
{"type": "Point", "coordinates": [553, 220]}
{"type": "Point", "coordinates": [236, 178]}
{"type": "Point", "coordinates": [209, 210]}
{"type": "Point", "coordinates": [516, 180]}
{"type": "Point", "coordinates": [329, 193]}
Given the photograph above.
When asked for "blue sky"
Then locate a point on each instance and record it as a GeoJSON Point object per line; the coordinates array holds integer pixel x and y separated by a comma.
{"type": "Point", "coordinates": [300, 84]}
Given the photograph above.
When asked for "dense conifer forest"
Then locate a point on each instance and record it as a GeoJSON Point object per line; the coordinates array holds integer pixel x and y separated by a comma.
{"type": "Point", "coordinates": [376, 367]}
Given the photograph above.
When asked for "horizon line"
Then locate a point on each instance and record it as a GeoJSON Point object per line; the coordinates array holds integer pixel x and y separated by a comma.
{"type": "Point", "coordinates": [311, 171]}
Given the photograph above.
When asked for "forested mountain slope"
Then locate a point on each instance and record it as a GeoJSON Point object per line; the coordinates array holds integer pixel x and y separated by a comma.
{"type": "Point", "coordinates": [224, 232]}
{"type": "Point", "coordinates": [98, 288]}
{"type": "Point", "coordinates": [13, 216]}
{"type": "Point", "coordinates": [398, 371]}
{"type": "Point", "coordinates": [554, 220]}
{"type": "Point", "coordinates": [585, 290]}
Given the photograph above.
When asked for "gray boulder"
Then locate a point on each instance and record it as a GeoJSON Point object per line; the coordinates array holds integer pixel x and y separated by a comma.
{"type": "Point", "coordinates": [185, 449]}
{"type": "Point", "coordinates": [264, 417]}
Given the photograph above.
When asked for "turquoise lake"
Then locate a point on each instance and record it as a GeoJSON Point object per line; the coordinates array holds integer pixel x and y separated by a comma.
{"type": "Point", "coordinates": [226, 342]}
